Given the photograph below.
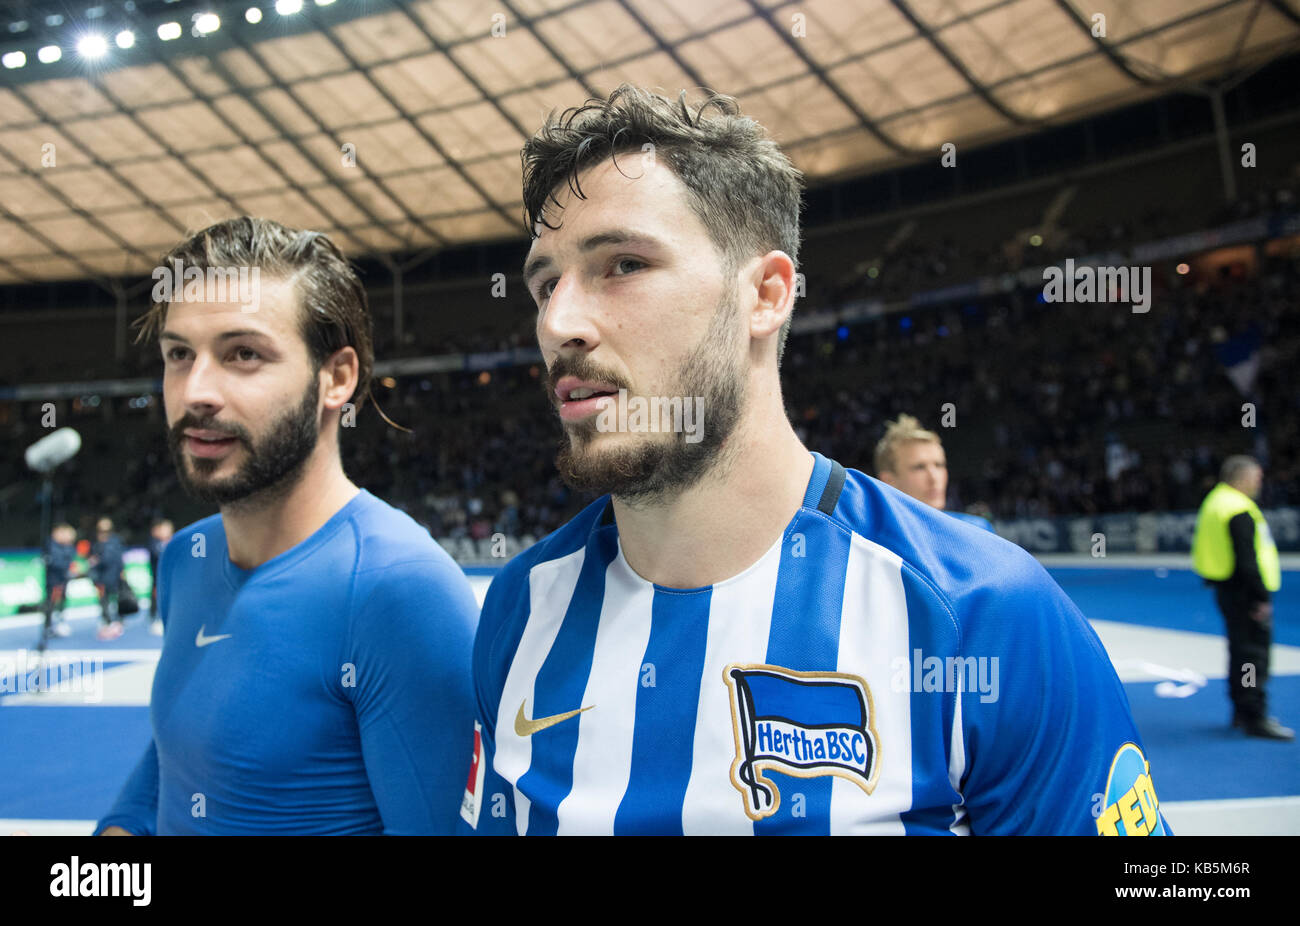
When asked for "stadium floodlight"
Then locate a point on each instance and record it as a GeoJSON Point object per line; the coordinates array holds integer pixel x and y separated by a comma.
{"type": "Point", "coordinates": [125, 38]}
{"type": "Point", "coordinates": [253, 14]}
{"type": "Point", "coordinates": [324, 2]}
{"type": "Point", "coordinates": [207, 22]}
{"type": "Point", "coordinates": [14, 59]}
{"type": "Point", "coordinates": [169, 31]}
{"type": "Point", "coordinates": [92, 46]}
{"type": "Point", "coordinates": [49, 54]}
{"type": "Point", "coordinates": [288, 7]}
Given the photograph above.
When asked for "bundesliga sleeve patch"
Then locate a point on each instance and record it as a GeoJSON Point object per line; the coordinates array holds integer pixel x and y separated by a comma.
{"type": "Point", "coordinates": [1131, 808]}
{"type": "Point", "coordinates": [471, 803]}
{"type": "Point", "coordinates": [805, 724]}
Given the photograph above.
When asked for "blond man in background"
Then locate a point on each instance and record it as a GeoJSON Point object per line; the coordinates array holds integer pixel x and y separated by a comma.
{"type": "Point", "coordinates": [911, 459]}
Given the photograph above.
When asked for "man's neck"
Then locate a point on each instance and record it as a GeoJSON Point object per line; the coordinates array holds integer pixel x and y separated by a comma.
{"type": "Point", "coordinates": [259, 533]}
{"type": "Point", "coordinates": [723, 524]}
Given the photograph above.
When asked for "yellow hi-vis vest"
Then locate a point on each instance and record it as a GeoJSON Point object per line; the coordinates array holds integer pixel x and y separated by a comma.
{"type": "Point", "coordinates": [1212, 555]}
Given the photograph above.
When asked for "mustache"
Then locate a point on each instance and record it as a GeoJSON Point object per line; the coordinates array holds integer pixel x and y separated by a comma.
{"type": "Point", "coordinates": [583, 368]}
{"type": "Point", "coordinates": [193, 422]}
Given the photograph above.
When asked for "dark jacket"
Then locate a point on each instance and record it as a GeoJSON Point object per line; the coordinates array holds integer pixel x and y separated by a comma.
{"type": "Point", "coordinates": [110, 559]}
{"type": "Point", "coordinates": [1245, 579]}
{"type": "Point", "coordinates": [58, 559]}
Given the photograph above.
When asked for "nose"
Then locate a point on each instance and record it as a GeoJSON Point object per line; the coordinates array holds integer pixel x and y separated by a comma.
{"type": "Point", "coordinates": [567, 322]}
{"type": "Point", "coordinates": [200, 392]}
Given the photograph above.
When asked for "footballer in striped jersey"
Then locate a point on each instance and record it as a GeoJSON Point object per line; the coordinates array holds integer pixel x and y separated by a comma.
{"type": "Point", "coordinates": [740, 636]}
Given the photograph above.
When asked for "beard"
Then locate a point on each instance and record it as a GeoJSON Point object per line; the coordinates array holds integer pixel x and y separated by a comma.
{"type": "Point", "coordinates": [272, 466]}
{"type": "Point", "coordinates": [648, 469]}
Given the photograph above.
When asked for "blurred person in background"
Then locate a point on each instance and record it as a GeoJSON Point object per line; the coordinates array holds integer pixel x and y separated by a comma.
{"type": "Point", "coordinates": [60, 558]}
{"type": "Point", "coordinates": [159, 534]}
{"type": "Point", "coordinates": [911, 459]}
{"type": "Point", "coordinates": [1233, 550]}
{"type": "Point", "coordinates": [106, 573]}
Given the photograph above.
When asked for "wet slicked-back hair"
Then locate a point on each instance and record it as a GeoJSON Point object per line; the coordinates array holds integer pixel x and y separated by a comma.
{"type": "Point", "coordinates": [335, 311]}
{"type": "Point", "coordinates": [742, 187]}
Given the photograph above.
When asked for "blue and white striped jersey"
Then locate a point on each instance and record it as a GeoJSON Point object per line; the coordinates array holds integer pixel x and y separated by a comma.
{"type": "Point", "coordinates": [883, 668]}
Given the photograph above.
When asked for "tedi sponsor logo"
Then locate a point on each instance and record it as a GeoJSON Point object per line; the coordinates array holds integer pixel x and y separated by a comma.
{"type": "Point", "coordinates": [103, 879]}
{"type": "Point", "coordinates": [1098, 284]}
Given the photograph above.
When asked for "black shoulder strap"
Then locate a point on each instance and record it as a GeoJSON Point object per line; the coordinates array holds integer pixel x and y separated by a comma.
{"type": "Point", "coordinates": [834, 485]}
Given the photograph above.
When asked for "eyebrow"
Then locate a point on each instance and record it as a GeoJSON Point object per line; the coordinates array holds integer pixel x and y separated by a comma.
{"type": "Point", "coordinates": [535, 265]}
{"type": "Point", "coordinates": [224, 336]}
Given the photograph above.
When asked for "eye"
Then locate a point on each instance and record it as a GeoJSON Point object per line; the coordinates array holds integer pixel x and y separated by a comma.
{"type": "Point", "coordinates": [175, 354]}
{"type": "Point", "coordinates": [628, 260]}
{"type": "Point", "coordinates": [246, 354]}
{"type": "Point", "coordinates": [544, 291]}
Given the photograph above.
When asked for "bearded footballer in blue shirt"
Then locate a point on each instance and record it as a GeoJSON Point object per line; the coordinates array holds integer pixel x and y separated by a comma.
{"type": "Point", "coordinates": [742, 636]}
{"type": "Point", "coordinates": [314, 675]}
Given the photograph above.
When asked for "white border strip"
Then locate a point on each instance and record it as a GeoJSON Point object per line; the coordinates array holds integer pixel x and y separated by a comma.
{"type": "Point", "coordinates": [1180, 561]}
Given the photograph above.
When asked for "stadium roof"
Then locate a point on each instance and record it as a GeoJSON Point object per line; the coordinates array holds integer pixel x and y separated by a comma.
{"type": "Point", "coordinates": [107, 160]}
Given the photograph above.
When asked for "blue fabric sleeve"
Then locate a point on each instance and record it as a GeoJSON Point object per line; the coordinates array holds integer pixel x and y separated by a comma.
{"type": "Point", "coordinates": [411, 640]}
{"type": "Point", "coordinates": [136, 807]}
{"type": "Point", "coordinates": [1056, 752]}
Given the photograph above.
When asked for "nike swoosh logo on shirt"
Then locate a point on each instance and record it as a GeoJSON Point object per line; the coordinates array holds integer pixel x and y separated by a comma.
{"type": "Point", "coordinates": [201, 640]}
{"type": "Point", "coordinates": [526, 727]}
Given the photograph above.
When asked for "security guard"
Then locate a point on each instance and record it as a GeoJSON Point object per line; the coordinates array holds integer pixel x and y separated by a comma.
{"type": "Point", "coordinates": [1233, 550]}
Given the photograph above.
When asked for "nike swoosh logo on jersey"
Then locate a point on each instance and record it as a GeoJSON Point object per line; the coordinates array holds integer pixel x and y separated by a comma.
{"type": "Point", "coordinates": [201, 640]}
{"type": "Point", "coordinates": [526, 727]}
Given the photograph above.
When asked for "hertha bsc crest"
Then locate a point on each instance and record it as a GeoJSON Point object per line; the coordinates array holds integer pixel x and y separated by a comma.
{"type": "Point", "coordinates": [805, 724]}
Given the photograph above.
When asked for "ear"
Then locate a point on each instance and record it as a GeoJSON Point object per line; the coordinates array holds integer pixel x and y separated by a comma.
{"type": "Point", "coordinates": [887, 476]}
{"type": "Point", "coordinates": [340, 374]}
{"type": "Point", "coordinates": [774, 282]}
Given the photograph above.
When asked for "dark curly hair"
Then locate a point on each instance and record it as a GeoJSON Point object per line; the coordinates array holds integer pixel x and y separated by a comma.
{"type": "Point", "coordinates": [744, 189]}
